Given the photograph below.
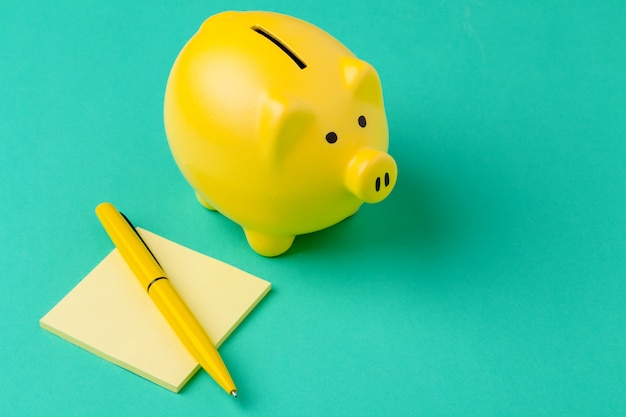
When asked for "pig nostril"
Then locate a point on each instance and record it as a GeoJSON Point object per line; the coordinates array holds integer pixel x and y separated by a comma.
{"type": "Point", "coordinates": [377, 183]}
{"type": "Point", "coordinates": [386, 179]}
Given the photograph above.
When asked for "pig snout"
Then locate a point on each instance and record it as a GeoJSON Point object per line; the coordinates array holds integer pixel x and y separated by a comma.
{"type": "Point", "coordinates": [371, 175]}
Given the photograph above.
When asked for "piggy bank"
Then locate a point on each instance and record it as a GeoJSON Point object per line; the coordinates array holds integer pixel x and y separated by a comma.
{"type": "Point", "coordinates": [277, 125]}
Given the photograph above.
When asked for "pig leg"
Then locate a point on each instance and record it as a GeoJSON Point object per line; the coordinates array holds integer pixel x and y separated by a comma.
{"type": "Point", "coordinates": [268, 245]}
{"type": "Point", "coordinates": [203, 201]}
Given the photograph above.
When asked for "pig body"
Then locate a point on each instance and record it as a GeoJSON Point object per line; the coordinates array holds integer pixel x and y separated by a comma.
{"type": "Point", "coordinates": [277, 125]}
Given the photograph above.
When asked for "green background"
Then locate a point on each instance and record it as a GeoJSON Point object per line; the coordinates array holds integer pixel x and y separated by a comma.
{"type": "Point", "coordinates": [492, 282]}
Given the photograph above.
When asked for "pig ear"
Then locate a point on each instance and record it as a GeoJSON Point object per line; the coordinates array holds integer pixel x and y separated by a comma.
{"type": "Point", "coordinates": [283, 120]}
{"type": "Point", "coordinates": [361, 79]}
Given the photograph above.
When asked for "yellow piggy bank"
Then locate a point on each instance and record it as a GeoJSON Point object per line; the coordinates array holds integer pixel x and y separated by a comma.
{"type": "Point", "coordinates": [277, 125]}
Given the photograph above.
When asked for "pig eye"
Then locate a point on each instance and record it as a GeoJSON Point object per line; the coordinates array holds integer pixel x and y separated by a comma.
{"type": "Point", "coordinates": [362, 121]}
{"type": "Point", "coordinates": [331, 137]}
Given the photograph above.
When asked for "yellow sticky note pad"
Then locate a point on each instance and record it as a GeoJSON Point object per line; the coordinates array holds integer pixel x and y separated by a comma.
{"type": "Point", "coordinates": [111, 315]}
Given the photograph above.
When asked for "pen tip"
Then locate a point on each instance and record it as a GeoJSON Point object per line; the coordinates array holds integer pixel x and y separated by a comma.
{"type": "Point", "coordinates": [234, 393]}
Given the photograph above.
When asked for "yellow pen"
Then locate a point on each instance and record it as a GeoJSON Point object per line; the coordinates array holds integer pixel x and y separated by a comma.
{"type": "Point", "coordinates": [151, 276]}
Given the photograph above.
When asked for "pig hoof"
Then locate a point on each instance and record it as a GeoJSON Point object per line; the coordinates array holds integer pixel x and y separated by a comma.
{"type": "Point", "coordinates": [268, 245]}
{"type": "Point", "coordinates": [204, 203]}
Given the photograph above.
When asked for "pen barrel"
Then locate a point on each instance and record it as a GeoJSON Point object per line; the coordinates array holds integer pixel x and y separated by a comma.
{"type": "Point", "coordinates": [129, 244]}
{"type": "Point", "coordinates": [190, 332]}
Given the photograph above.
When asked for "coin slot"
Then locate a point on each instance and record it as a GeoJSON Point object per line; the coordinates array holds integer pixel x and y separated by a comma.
{"type": "Point", "coordinates": [291, 54]}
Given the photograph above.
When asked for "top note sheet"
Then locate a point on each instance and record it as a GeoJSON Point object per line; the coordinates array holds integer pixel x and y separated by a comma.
{"type": "Point", "coordinates": [109, 314]}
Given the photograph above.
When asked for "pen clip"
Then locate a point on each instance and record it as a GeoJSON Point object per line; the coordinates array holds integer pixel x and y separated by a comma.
{"type": "Point", "coordinates": [140, 238]}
